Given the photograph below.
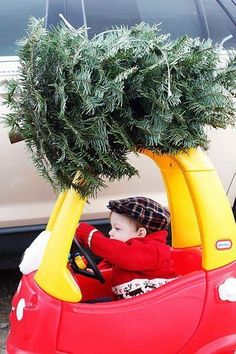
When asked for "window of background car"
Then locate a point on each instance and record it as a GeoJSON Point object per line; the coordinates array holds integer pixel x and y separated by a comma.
{"type": "Point", "coordinates": [222, 20]}
{"type": "Point", "coordinates": [14, 16]}
{"type": "Point", "coordinates": [72, 10]}
{"type": "Point", "coordinates": [197, 18]}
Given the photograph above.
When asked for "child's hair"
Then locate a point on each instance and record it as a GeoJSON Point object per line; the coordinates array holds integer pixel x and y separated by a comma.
{"type": "Point", "coordinates": [147, 213]}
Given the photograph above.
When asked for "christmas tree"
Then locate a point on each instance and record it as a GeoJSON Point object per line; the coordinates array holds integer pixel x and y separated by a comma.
{"type": "Point", "coordinates": [83, 105]}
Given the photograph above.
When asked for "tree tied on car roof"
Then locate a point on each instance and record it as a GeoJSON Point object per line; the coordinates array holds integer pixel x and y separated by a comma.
{"type": "Point", "coordinates": [83, 105]}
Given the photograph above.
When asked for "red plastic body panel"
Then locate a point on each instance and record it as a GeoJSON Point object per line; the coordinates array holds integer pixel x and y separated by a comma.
{"type": "Point", "coordinates": [216, 332]}
{"type": "Point", "coordinates": [184, 316]}
{"type": "Point", "coordinates": [37, 331]}
{"type": "Point", "coordinates": [162, 321]}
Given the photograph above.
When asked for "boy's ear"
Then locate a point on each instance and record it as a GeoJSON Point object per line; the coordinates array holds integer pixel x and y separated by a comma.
{"type": "Point", "coordinates": [142, 232]}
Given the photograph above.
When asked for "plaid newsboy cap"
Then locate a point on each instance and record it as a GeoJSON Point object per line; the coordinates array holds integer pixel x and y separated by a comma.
{"type": "Point", "coordinates": [152, 215]}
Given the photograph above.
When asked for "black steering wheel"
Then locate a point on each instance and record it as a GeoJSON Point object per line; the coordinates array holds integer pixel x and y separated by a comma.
{"type": "Point", "coordinates": [94, 272]}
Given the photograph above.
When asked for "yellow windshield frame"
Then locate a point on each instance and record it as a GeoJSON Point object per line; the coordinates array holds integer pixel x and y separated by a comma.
{"type": "Point", "coordinates": [200, 216]}
{"type": "Point", "coordinates": [53, 276]}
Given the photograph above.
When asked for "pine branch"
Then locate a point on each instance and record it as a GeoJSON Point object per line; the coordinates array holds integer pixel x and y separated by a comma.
{"type": "Point", "coordinates": [83, 105]}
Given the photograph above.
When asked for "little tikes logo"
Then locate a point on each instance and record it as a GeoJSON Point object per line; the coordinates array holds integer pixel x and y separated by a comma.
{"type": "Point", "coordinates": [223, 244]}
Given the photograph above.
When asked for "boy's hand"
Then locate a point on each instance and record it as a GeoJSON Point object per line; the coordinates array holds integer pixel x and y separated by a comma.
{"type": "Point", "coordinates": [84, 233]}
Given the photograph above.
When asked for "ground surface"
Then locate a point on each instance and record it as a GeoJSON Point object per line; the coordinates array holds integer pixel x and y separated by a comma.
{"type": "Point", "coordinates": [8, 284]}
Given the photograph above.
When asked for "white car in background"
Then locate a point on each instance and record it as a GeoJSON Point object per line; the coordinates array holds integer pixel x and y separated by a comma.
{"type": "Point", "coordinates": [26, 200]}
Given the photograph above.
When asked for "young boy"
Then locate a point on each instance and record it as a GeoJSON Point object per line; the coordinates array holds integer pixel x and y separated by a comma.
{"type": "Point", "coordinates": [137, 249]}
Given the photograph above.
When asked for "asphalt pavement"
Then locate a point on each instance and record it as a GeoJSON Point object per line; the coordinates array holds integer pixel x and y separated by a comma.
{"type": "Point", "coordinates": [9, 280]}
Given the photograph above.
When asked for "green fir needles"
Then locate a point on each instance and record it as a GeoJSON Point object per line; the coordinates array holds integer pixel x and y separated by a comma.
{"type": "Point", "coordinates": [83, 105]}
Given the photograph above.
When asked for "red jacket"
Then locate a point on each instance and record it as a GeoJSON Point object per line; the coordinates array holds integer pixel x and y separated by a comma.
{"type": "Point", "coordinates": [137, 258]}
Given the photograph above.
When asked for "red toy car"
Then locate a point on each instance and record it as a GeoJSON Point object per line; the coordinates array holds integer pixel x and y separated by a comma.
{"type": "Point", "coordinates": [196, 313]}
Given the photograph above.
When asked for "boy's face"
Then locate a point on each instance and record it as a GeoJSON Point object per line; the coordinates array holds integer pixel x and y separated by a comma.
{"type": "Point", "coordinates": [123, 228]}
